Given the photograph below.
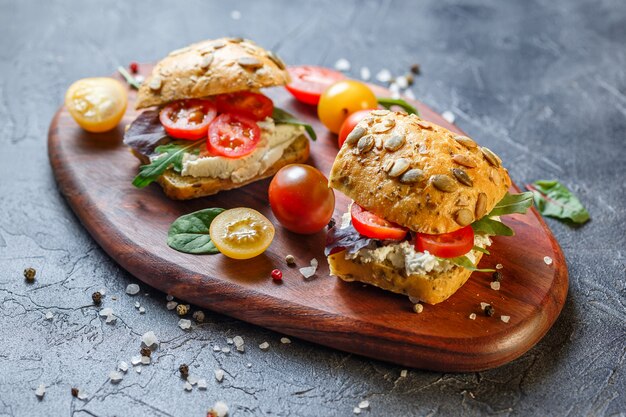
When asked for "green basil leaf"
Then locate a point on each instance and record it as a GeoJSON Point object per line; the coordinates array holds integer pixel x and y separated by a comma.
{"type": "Point", "coordinates": [513, 203]}
{"type": "Point", "coordinates": [479, 249]}
{"type": "Point", "coordinates": [555, 200]}
{"type": "Point", "coordinates": [464, 261]}
{"type": "Point", "coordinates": [172, 156]}
{"type": "Point", "coordinates": [387, 103]}
{"type": "Point", "coordinates": [280, 116]}
{"type": "Point", "coordinates": [190, 233]}
{"type": "Point", "coordinates": [129, 78]}
{"type": "Point", "coordinates": [492, 227]}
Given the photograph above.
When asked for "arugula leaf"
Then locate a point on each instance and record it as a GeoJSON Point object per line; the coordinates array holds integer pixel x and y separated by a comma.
{"type": "Point", "coordinates": [129, 78]}
{"type": "Point", "coordinates": [172, 155]}
{"type": "Point", "coordinates": [464, 262]}
{"type": "Point", "coordinates": [555, 200]}
{"type": "Point", "coordinates": [492, 227]}
{"type": "Point", "coordinates": [483, 250]}
{"type": "Point", "coordinates": [190, 233]}
{"type": "Point", "coordinates": [389, 102]}
{"type": "Point", "coordinates": [280, 116]}
{"type": "Point", "coordinates": [513, 203]}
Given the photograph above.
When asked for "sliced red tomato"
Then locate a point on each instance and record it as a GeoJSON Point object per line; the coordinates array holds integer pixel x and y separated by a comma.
{"type": "Point", "coordinates": [446, 245]}
{"type": "Point", "coordinates": [308, 82]}
{"type": "Point", "coordinates": [370, 225]}
{"type": "Point", "coordinates": [188, 119]}
{"type": "Point", "coordinates": [252, 105]}
{"type": "Point", "coordinates": [233, 135]}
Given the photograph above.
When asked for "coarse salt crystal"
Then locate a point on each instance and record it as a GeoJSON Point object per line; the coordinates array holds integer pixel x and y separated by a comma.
{"type": "Point", "coordinates": [235, 15]}
{"type": "Point", "coordinates": [184, 324]}
{"type": "Point", "coordinates": [188, 386]}
{"type": "Point", "coordinates": [239, 344]}
{"type": "Point", "coordinates": [150, 340]}
{"type": "Point", "coordinates": [135, 360]}
{"type": "Point", "coordinates": [229, 341]}
{"type": "Point", "coordinates": [115, 377]}
{"type": "Point", "coordinates": [499, 266]}
{"type": "Point", "coordinates": [314, 262]}
{"type": "Point", "coordinates": [547, 260]}
{"type": "Point", "coordinates": [356, 410]}
{"type": "Point", "coordinates": [40, 391]}
{"type": "Point", "coordinates": [264, 346]}
{"type": "Point", "coordinates": [220, 409]}
{"type": "Point", "coordinates": [105, 312]}
{"type": "Point", "coordinates": [102, 292]}
{"type": "Point", "coordinates": [342, 64]}
{"type": "Point", "coordinates": [414, 300]}
{"type": "Point", "coordinates": [505, 318]}
{"type": "Point", "coordinates": [202, 383]}
{"type": "Point", "coordinates": [448, 116]}
{"type": "Point", "coordinates": [216, 348]}
{"type": "Point", "coordinates": [248, 365]}
{"type": "Point", "coordinates": [364, 404]}
{"type": "Point", "coordinates": [169, 297]}
{"type": "Point", "coordinates": [366, 74]}
{"type": "Point", "coordinates": [483, 305]}
{"type": "Point", "coordinates": [110, 319]}
{"type": "Point", "coordinates": [285, 340]}
{"type": "Point", "coordinates": [145, 360]}
{"type": "Point", "coordinates": [403, 373]}
{"type": "Point", "coordinates": [402, 82]}
{"type": "Point", "coordinates": [132, 289]}
{"type": "Point", "coordinates": [409, 94]}
{"type": "Point", "coordinates": [49, 315]}
{"type": "Point", "coordinates": [122, 366]}
{"type": "Point", "coordinates": [219, 375]}
{"type": "Point", "coordinates": [138, 369]}
{"type": "Point", "coordinates": [384, 76]}
{"type": "Point", "coordinates": [226, 350]}
{"type": "Point", "coordinates": [81, 395]}
{"type": "Point", "coordinates": [472, 316]}
{"type": "Point", "coordinates": [139, 78]}
{"type": "Point", "coordinates": [142, 310]}
{"type": "Point", "coordinates": [192, 379]}
{"type": "Point", "coordinates": [171, 305]}
{"type": "Point", "coordinates": [137, 305]}
{"type": "Point", "coordinates": [309, 271]}
{"type": "Point", "coordinates": [495, 285]}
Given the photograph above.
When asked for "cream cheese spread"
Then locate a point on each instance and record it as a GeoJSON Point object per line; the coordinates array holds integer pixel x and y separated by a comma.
{"type": "Point", "coordinates": [274, 140]}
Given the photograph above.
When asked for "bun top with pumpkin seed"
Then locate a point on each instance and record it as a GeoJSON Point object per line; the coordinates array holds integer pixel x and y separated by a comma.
{"type": "Point", "coordinates": [211, 67]}
{"type": "Point", "coordinates": [418, 174]}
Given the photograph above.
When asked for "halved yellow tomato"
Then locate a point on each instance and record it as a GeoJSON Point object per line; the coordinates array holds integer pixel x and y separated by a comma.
{"type": "Point", "coordinates": [241, 233]}
{"type": "Point", "coordinates": [97, 104]}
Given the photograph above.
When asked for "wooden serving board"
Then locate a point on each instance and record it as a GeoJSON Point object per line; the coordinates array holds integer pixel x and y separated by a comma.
{"type": "Point", "coordinates": [94, 173]}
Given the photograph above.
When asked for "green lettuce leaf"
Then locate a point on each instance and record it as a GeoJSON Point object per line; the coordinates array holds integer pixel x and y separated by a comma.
{"type": "Point", "coordinates": [555, 200]}
{"type": "Point", "coordinates": [280, 116]}
{"type": "Point", "coordinates": [464, 261]}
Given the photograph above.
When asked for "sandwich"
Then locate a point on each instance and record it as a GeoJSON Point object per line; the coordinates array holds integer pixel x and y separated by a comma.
{"type": "Point", "coordinates": [208, 126]}
{"type": "Point", "coordinates": [426, 202]}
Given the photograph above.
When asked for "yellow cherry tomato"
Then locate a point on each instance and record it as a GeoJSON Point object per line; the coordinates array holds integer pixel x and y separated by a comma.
{"type": "Point", "coordinates": [241, 233]}
{"type": "Point", "coordinates": [96, 104]}
{"type": "Point", "coordinates": [342, 99]}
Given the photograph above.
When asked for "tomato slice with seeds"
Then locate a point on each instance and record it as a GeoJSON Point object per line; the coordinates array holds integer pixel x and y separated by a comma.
{"type": "Point", "coordinates": [246, 103]}
{"type": "Point", "coordinates": [241, 233]}
{"type": "Point", "coordinates": [188, 119]}
{"type": "Point", "coordinates": [308, 82]}
{"type": "Point", "coordinates": [370, 225]}
{"type": "Point", "coordinates": [446, 245]}
{"type": "Point", "coordinates": [233, 135]}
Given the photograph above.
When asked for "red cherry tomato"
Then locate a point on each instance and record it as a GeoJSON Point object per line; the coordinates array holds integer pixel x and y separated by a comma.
{"type": "Point", "coordinates": [300, 198]}
{"type": "Point", "coordinates": [370, 225]}
{"type": "Point", "coordinates": [349, 124]}
{"type": "Point", "coordinates": [447, 245]}
{"type": "Point", "coordinates": [308, 82]}
{"type": "Point", "coordinates": [188, 119]}
{"type": "Point", "coordinates": [252, 105]}
{"type": "Point", "coordinates": [233, 135]}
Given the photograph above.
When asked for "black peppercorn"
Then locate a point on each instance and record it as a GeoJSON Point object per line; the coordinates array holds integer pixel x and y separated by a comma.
{"type": "Point", "coordinates": [145, 351]}
{"type": "Point", "coordinates": [184, 371]}
{"type": "Point", "coordinates": [415, 69]}
{"type": "Point", "coordinates": [490, 311]}
{"type": "Point", "coordinates": [74, 392]}
{"type": "Point", "coordinates": [497, 276]}
{"type": "Point", "coordinates": [97, 298]}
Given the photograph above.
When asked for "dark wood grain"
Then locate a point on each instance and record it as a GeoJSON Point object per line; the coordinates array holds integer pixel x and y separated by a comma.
{"type": "Point", "coordinates": [94, 173]}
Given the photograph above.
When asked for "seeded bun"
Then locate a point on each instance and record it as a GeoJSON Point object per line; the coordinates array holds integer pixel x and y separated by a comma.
{"type": "Point", "coordinates": [178, 187]}
{"type": "Point", "coordinates": [432, 288]}
{"type": "Point", "coordinates": [211, 67]}
{"type": "Point", "coordinates": [417, 174]}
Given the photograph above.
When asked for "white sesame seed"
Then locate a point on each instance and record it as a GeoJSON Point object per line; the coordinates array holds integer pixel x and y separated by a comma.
{"type": "Point", "coordinates": [342, 64]}
{"type": "Point", "coordinates": [505, 318]}
{"type": "Point", "coordinates": [547, 260]}
{"type": "Point", "coordinates": [495, 285]}
{"type": "Point", "coordinates": [448, 116]}
{"type": "Point", "coordinates": [472, 316]}
{"type": "Point", "coordinates": [366, 74]}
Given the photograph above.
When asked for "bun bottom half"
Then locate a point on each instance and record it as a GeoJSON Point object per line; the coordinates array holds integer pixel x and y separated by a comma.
{"type": "Point", "coordinates": [178, 187]}
{"type": "Point", "coordinates": [432, 288]}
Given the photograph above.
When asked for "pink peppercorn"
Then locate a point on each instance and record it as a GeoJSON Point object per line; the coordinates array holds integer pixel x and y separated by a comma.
{"type": "Point", "coordinates": [133, 67]}
{"type": "Point", "coordinates": [277, 275]}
